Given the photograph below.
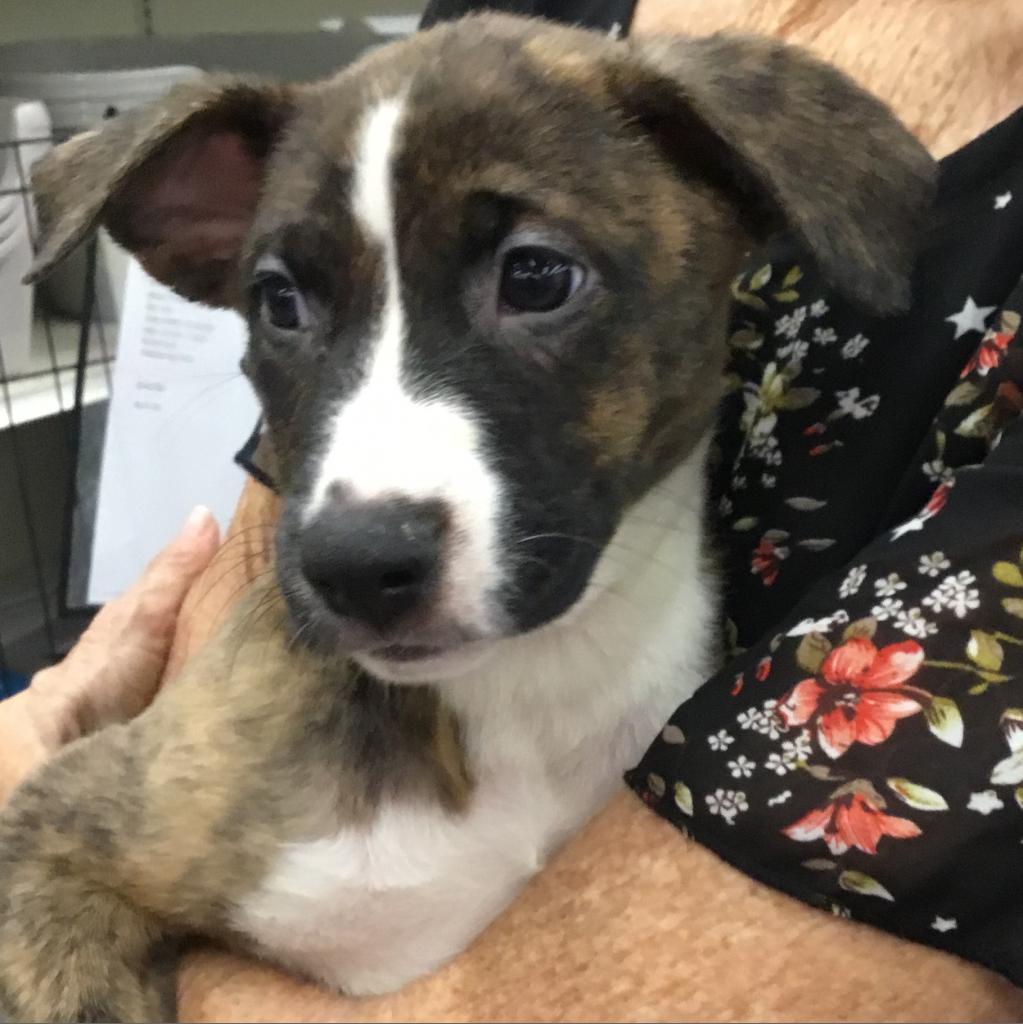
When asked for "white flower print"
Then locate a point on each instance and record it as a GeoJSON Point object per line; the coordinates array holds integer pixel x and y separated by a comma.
{"type": "Point", "coordinates": [795, 350]}
{"type": "Point", "coordinates": [763, 447]}
{"type": "Point", "coordinates": [855, 346]}
{"type": "Point", "coordinates": [937, 472]}
{"type": "Point", "coordinates": [727, 803]}
{"type": "Point", "coordinates": [750, 719]}
{"type": "Point", "coordinates": [792, 752]}
{"type": "Point", "coordinates": [850, 404]}
{"type": "Point", "coordinates": [955, 593]}
{"type": "Point", "coordinates": [819, 308]}
{"type": "Point", "coordinates": [739, 483]}
{"type": "Point", "coordinates": [788, 326]}
{"type": "Point", "coordinates": [768, 480]}
{"type": "Point", "coordinates": [824, 336]}
{"type": "Point", "coordinates": [742, 767]}
{"type": "Point", "coordinates": [912, 623]}
{"type": "Point", "coordinates": [944, 924]}
{"type": "Point", "coordinates": [764, 720]}
{"type": "Point", "coordinates": [853, 581]}
{"type": "Point", "coordinates": [823, 625]}
{"type": "Point", "coordinates": [800, 747]}
{"type": "Point", "coordinates": [984, 802]}
{"type": "Point", "coordinates": [889, 586]}
{"type": "Point", "coordinates": [720, 740]}
{"type": "Point", "coordinates": [887, 609]}
{"type": "Point", "coordinates": [757, 421]}
{"type": "Point", "coordinates": [933, 564]}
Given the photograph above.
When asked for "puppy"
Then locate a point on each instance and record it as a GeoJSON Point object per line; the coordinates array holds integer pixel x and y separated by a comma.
{"type": "Point", "coordinates": [486, 273]}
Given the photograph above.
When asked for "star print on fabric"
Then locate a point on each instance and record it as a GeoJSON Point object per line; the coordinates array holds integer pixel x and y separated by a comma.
{"type": "Point", "coordinates": [970, 318]}
{"type": "Point", "coordinates": [984, 802]}
{"type": "Point", "coordinates": [1002, 201]}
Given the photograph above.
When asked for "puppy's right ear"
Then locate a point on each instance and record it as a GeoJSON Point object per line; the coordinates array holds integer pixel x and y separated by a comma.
{"type": "Point", "coordinates": [175, 182]}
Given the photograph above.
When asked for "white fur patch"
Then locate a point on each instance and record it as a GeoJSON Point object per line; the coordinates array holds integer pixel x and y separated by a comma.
{"type": "Point", "coordinates": [368, 910]}
{"type": "Point", "coordinates": [550, 724]}
{"type": "Point", "coordinates": [384, 442]}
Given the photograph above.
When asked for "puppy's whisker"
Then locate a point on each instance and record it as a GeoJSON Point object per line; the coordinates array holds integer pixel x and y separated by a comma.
{"type": "Point", "coordinates": [558, 536]}
{"type": "Point", "coordinates": [208, 586]}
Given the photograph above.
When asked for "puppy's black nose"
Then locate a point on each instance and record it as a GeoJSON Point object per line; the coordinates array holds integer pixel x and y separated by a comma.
{"type": "Point", "coordinates": [375, 562]}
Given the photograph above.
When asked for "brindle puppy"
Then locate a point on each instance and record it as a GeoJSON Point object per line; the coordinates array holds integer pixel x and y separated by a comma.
{"type": "Point", "coordinates": [486, 272]}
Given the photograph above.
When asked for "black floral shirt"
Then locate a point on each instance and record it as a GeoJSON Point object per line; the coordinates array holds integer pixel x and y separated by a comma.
{"type": "Point", "coordinates": [862, 749]}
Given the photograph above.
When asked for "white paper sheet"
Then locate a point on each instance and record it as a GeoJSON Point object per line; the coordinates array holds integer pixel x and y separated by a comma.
{"type": "Point", "coordinates": [179, 412]}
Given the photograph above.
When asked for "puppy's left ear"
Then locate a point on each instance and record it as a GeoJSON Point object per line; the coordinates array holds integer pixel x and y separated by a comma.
{"type": "Point", "coordinates": [175, 182]}
{"type": "Point", "coordinates": [795, 143]}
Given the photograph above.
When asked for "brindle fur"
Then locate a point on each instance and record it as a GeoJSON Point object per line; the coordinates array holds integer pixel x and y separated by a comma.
{"type": "Point", "coordinates": [162, 823]}
{"type": "Point", "coordinates": [682, 152]}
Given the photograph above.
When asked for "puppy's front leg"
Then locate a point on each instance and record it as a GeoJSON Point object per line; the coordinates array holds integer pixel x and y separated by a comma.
{"type": "Point", "coordinates": [74, 945]}
{"type": "Point", "coordinates": [156, 829]}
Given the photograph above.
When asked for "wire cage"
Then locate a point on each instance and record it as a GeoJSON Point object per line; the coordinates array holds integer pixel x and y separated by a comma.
{"type": "Point", "coordinates": [55, 363]}
{"type": "Point", "coordinates": [59, 340]}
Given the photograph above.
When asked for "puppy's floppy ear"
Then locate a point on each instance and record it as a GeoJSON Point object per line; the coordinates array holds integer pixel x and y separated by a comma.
{"type": "Point", "coordinates": [796, 143]}
{"type": "Point", "coordinates": [175, 182]}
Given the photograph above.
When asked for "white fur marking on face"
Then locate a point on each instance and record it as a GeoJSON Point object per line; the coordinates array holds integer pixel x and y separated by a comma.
{"type": "Point", "coordinates": [382, 441]}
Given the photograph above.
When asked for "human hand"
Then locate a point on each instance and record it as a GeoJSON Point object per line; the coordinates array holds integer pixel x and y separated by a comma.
{"type": "Point", "coordinates": [115, 669]}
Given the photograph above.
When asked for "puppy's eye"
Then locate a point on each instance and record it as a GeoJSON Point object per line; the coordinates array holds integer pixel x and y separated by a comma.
{"type": "Point", "coordinates": [535, 279]}
{"type": "Point", "coordinates": [280, 302]}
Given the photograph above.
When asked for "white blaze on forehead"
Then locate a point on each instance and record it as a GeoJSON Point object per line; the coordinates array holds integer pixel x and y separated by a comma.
{"type": "Point", "coordinates": [384, 442]}
{"type": "Point", "coordinates": [372, 198]}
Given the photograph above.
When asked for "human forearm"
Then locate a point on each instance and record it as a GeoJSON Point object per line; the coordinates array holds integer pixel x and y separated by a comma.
{"type": "Point", "coordinates": [632, 921]}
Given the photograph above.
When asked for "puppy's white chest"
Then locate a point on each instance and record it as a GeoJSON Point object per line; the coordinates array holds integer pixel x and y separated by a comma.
{"type": "Point", "coordinates": [372, 907]}
{"type": "Point", "coordinates": [368, 909]}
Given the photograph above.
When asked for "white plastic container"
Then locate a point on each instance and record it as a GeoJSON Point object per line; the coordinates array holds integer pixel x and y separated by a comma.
{"type": "Point", "coordinates": [78, 100]}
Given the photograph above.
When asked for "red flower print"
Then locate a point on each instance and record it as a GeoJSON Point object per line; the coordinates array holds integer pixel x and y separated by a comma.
{"type": "Point", "coordinates": [740, 682]}
{"type": "Point", "coordinates": [853, 818]}
{"type": "Point", "coordinates": [768, 556]}
{"type": "Point", "coordinates": [859, 697]}
{"type": "Point", "coordinates": [989, 352]}
{"type": "Point", "coordinates": [763, 668]}
{"type": "Point", "coordinates": [1007, 404]}
{"type": "Point", "coordinates": [938, 500]}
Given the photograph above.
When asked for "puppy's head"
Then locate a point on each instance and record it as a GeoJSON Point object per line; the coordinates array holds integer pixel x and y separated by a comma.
{"type": "Point", "coordinates": [486, 275]}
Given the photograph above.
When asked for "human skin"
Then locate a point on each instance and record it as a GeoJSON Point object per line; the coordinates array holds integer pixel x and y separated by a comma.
{"type": "Point", "coordinates": [115, 668]}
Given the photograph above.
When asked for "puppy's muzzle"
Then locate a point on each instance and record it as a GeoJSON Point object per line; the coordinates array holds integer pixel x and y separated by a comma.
{"type": "Point", "coordinates": [377, 563]}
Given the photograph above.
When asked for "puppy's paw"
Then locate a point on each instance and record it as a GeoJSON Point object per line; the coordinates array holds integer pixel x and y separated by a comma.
{"type": "Point", "coordinates": [61, 992]}
{"type": "Point", "coordinates": [97, 959]}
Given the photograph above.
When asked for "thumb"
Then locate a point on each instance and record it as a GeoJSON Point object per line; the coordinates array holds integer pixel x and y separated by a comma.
{"type": "Point", "coordinates": [114, 669]}
{"type": "Point", "coordinates": [167, 579]}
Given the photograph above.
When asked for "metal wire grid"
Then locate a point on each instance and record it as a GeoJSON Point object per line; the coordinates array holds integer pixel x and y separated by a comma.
{"type": "Point", "coordinates": [54, 368]}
